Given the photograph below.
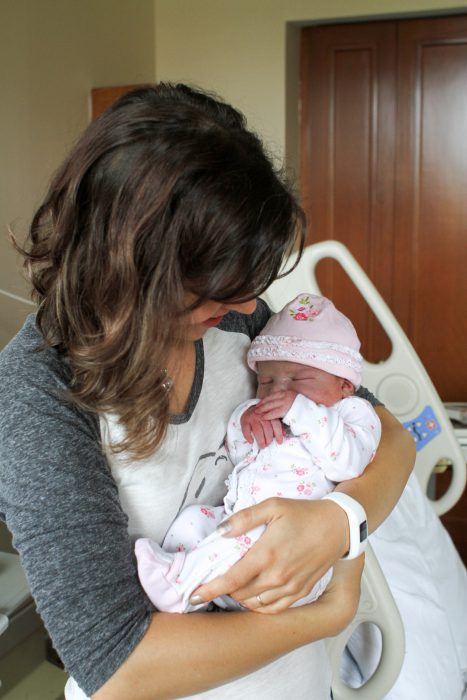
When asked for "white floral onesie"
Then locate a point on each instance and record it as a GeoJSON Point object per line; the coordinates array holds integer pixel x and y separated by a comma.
{"type": "Point", "coordinates": [322, 446]}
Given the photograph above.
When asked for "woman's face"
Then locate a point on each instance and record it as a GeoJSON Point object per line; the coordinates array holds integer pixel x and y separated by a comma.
{"type": "Point", "coordinates": [211, 313]}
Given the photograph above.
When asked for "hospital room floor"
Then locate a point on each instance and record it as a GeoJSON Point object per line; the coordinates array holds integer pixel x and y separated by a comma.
{"type": "Point", "coordinates": [27, 675]}
{"type": "Point", "coordinates": [46, 682]}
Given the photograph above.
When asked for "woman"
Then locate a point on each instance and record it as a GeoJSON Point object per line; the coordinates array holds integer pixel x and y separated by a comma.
{"type": "Point", "coordinates": [158, 233]}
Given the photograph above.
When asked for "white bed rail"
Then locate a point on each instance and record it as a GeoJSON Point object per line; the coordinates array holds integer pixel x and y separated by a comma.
{"type": "Point", "coordinates": [378, 607]}
{"type": "Point", "coordinates": [400, 382]}
{"type": "Point", "coordinates": [15, 297]}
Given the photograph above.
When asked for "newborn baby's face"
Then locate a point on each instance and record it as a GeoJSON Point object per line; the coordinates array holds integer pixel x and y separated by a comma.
{"type": "Point", "coordinates": [315, 384]}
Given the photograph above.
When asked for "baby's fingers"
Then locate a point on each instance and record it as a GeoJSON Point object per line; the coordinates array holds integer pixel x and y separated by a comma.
{"type": "Point", "coordinates": [278, 431]}
{"type": "Point", "coordinates": [253, 427]}
{"type": "Point", "coordinates": [270, 402]}
{"type": "Point", "coordinates": [275, 405]}
{"type": "Point", "coordinates": [247, 432]}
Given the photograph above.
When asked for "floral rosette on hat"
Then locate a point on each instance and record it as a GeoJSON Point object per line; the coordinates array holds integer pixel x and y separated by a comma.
{"type": "Point", "coordinates": [302, 309]}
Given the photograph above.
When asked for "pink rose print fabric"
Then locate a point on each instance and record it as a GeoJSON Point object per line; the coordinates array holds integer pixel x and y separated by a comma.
{"type": "Point", "coordinates": [322, 446]}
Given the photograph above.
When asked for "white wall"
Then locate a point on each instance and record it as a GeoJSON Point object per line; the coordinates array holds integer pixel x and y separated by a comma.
{"type": "Point", "coordinates": [238, 48]}
{"type": "Point", "coordinates": [52, 52]}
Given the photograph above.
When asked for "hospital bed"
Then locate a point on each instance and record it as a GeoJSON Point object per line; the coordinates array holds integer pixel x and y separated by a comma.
{"type": "Point", "coordinates": [403, 385]}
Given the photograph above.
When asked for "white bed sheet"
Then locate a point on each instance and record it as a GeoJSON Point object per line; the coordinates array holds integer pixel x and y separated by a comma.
{"type": "Point", "coordinates": [429, 583]}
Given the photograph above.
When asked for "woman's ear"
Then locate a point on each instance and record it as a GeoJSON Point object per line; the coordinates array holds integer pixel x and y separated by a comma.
{"type": "Point", "coordinates": [348, 388]}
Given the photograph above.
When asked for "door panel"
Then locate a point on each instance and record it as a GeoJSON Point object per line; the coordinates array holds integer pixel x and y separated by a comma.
{"type": "Point", "coordinates": [348, 147]}
{"type": "Point", "coordinates": [103, 97]}
{"type": "Point", "coordinates": [384, 170]}
{"type": "Point", "coordinates": [431, 216]}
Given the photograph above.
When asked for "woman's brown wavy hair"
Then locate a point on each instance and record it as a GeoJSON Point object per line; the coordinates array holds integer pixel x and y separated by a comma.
{"type": "Point", "coordinates": [167, 191]}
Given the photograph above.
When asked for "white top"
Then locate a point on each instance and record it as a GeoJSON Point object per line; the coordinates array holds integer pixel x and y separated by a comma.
{"type": "Point", "coordinates": [192, 468]}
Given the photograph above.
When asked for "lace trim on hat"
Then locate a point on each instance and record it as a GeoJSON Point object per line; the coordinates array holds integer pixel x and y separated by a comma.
{"type": "Point", "coordinates": [280, 340]}
{"type": "Point", "coordinates": [276, 353]}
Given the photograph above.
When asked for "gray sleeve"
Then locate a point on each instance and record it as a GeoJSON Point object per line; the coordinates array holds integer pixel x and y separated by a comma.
{"type": "Point", "coordinates": [251, 324]}
{"type": "Point", "coordinates": [366, 394]}
{"type": "Point", "coordinates": [61, 503]}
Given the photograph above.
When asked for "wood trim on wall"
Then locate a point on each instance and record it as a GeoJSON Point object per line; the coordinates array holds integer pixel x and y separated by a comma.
{"type": "Point", "coordinates": [103, 97]}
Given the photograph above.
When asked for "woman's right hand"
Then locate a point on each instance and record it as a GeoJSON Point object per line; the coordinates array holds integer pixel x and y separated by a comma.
{"type": "Point", "coordinates": [250, 641]}
{"type": "Point", "coordinates": [280, 573]}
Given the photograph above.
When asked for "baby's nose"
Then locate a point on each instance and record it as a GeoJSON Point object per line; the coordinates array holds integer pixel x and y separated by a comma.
{"type": "Point", "coordinates": [281, 383]}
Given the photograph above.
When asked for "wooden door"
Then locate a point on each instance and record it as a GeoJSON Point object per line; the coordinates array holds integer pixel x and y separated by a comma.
{"type": "Point", "coordinates": [384, 170]}
{"type": "Point", "coordinates": [431, 197]}
{"type": "Point", "coordinates": [103, 97]}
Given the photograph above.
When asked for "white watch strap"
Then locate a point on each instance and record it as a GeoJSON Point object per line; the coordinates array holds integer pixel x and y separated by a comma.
{"type": "Point", "coordinates": [358, 526]}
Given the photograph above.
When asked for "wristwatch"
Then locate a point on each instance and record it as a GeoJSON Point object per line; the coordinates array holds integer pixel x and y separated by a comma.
{"type": "Point", "coordinates": [358, 526]}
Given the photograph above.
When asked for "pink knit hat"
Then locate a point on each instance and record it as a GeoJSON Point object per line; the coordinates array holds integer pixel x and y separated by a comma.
{"type": "Point", "coordinates": [311, 331]}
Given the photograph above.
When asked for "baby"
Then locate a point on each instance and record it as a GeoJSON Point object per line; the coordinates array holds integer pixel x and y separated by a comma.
{"type": "Point", "coordinates": [308, 365]}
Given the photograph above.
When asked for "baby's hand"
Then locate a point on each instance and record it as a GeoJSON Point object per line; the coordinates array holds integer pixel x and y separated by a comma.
{"type": "Point", "coordinates": [259, 428]}
{"type": "Point", "coordinates": [275, 405]}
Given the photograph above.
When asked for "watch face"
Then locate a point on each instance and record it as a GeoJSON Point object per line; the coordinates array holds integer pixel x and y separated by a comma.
{"type": "Point", "coordinates": [363, 531]}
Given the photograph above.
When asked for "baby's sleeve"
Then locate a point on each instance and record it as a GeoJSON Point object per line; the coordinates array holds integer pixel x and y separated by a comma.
{"type": "Point", "coordinates": [237, 446]}
{"type": "Point", "coordinates": [342, 439]}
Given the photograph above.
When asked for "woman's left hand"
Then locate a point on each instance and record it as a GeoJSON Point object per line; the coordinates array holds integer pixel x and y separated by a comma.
{"type": "Point", "coordinates": [302, 540]}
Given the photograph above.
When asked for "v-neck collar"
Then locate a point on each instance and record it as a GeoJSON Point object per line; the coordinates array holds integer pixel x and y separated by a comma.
{"type": "Point", "coordinates": [195, 388]}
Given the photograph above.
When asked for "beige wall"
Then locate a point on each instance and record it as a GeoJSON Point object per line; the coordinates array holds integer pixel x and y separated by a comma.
{"type": "Point", "coordinates": [52, 52]}
{"type": "Point", "coordinates": [238, 48]}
